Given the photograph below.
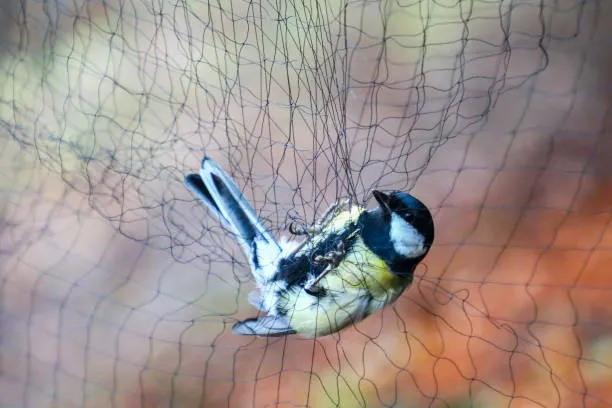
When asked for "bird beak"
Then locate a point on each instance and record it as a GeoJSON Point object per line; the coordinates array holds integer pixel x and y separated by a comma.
{"type": "Point", "coordinates": [383, 200]}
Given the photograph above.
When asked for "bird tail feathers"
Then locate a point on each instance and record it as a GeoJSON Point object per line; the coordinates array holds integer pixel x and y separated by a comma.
{"type": "Point", "coordinates": [219, 192]}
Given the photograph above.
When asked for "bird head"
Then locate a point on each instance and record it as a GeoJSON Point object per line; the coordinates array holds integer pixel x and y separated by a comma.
{"type": "Point", "coordinates": [410, 224]}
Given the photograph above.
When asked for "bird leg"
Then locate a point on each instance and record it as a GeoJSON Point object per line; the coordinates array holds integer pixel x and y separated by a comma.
{"type": "Point", "coordinates": [332, 259]}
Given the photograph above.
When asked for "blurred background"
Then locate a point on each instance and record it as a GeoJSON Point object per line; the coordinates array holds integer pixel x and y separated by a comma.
{"type": "Point", "coordinates": [118, 289]}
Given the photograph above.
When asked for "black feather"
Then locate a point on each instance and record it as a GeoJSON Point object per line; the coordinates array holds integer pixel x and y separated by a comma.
{"type": "Point", "coordinates": [195, 184]}
{"type": "Point", "coordinates": [247, 230]}
{"type": "Point", "coordinates": [296, 270]}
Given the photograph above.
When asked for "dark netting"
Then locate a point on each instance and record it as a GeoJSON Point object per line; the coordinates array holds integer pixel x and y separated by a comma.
{"type": "Point", "coordinates": [119, 289]}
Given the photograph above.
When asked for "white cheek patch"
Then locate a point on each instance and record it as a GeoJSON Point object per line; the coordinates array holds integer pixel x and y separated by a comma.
{"type": "Point", "coordinates": [407, 241]}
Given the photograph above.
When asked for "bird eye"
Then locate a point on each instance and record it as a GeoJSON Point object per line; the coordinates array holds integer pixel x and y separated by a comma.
{"type": "Point", "coordinates": [409, 217]}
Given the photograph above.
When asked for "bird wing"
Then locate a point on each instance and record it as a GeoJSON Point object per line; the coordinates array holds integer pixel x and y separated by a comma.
{"type": "Point", "coordinates": [219, 192]}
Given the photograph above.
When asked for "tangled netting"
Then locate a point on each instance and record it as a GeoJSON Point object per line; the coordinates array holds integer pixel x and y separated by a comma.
{"type": "Point", "coordinates": [118, 288]}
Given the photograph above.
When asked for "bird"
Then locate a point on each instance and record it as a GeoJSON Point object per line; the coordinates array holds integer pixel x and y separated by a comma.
{"type": "Point", "coordinates": [349, 264]}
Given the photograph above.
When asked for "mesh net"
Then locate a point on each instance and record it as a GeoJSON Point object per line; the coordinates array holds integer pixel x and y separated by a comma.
{"type": "Point", "coordinates": [118, 288]}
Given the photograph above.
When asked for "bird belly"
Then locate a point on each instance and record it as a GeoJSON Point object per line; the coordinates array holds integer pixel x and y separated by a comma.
{"type": "Point", "coordinates": [361, 285]}
{"type": "Point", "coordinates": [312, 317]}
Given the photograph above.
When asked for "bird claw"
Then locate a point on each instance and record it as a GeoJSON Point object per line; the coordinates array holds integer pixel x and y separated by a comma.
{"type": "Point", "coordinates": [295, 229]}
{"type": "Point", "coordinates": [332, 259]}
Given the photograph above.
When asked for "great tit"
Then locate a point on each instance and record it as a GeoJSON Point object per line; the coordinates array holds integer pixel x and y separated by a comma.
{"type": "Point", "coordinates": [350, 264]}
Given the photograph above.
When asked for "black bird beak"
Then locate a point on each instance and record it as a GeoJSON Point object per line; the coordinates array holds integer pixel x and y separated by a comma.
{"type": "Point", "coordinates": [383, 200]}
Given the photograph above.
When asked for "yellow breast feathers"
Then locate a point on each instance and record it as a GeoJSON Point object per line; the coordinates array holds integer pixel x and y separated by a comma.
{"type": "Point", "coordinates": [361, 268]}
